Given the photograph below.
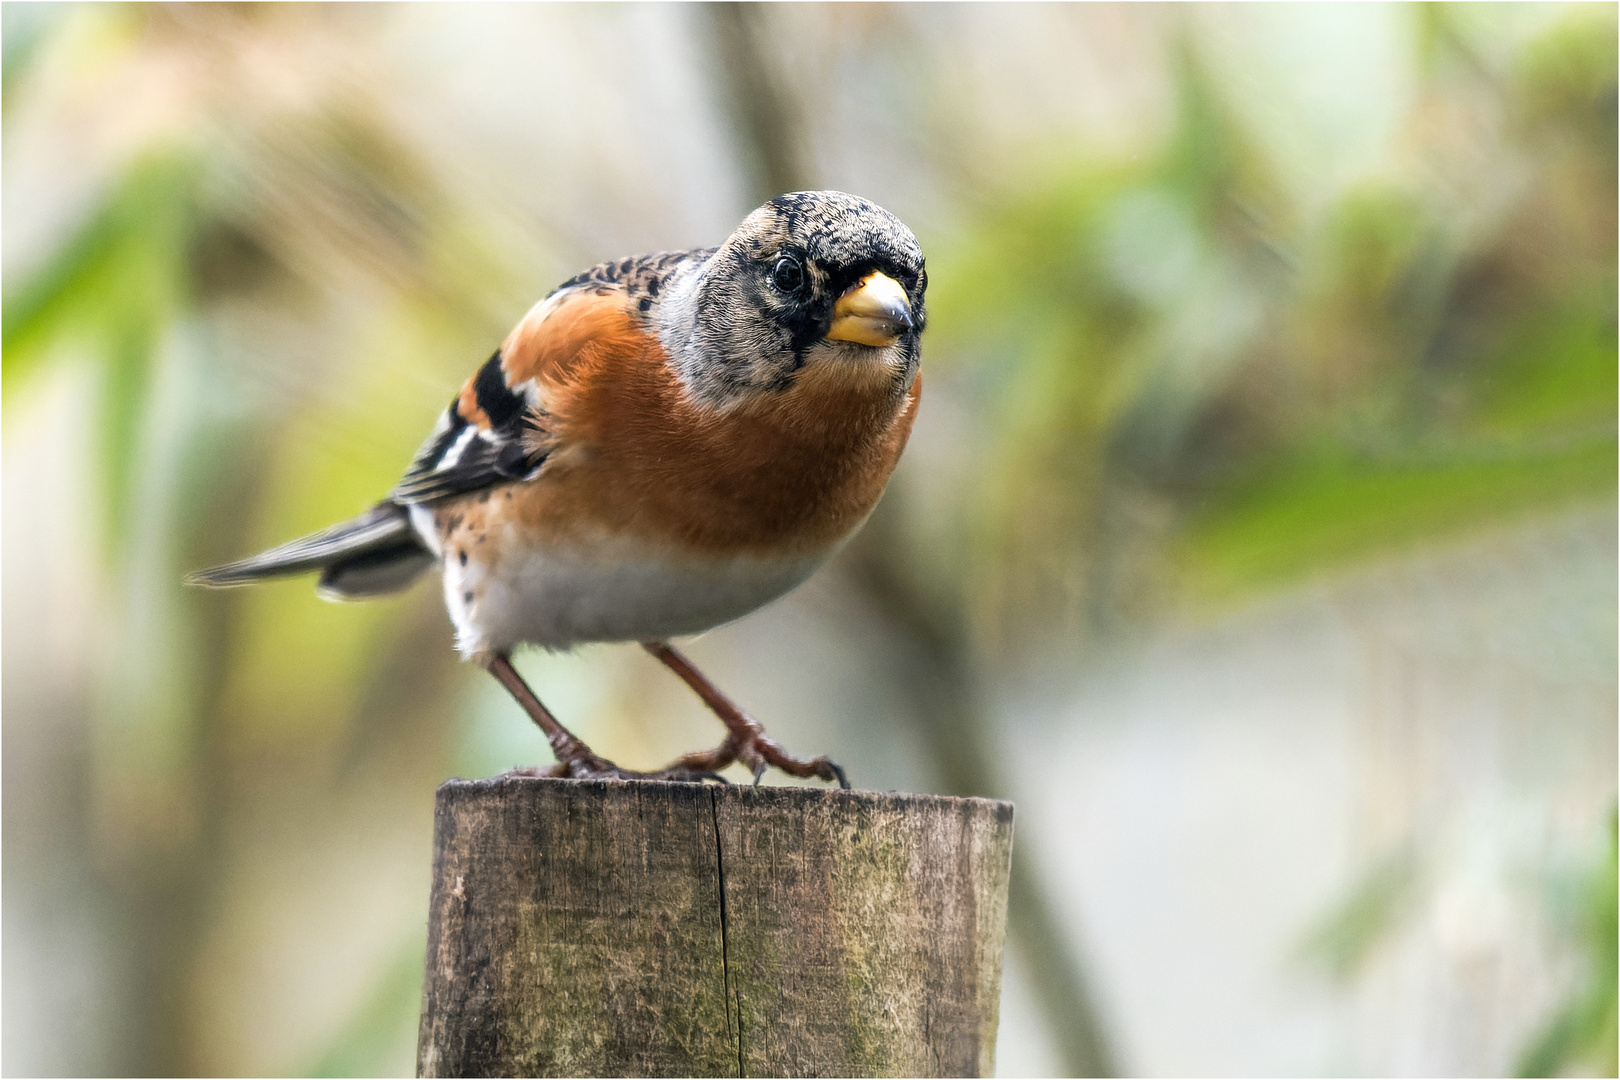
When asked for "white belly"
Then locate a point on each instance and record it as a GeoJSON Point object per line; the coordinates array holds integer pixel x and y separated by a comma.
{"type": "Point", "coordinates": [614, 591]}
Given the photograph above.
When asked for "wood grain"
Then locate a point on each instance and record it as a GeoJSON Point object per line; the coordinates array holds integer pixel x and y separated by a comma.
{"type": "Point", "coordinates": [597, 928]}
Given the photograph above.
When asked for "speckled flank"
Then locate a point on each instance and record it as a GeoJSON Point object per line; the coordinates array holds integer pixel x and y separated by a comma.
{"type": "Point", "coordinates": [461, 529]}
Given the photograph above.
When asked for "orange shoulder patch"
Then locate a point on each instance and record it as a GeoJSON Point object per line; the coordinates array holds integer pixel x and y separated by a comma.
{"type": "Point", "coordinates": [565, 330]}
{"type": "Point", "coordinates": [552, 345]}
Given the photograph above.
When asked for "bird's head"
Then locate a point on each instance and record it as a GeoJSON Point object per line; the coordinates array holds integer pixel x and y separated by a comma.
{"type": "Point", "coordinates": [811, 278]}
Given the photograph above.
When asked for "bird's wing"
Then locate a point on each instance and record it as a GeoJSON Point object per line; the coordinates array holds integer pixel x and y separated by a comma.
{"type": "Point", "coordinates": [491, 433]}
{"type": "Point", "coordinates": [496, 430]}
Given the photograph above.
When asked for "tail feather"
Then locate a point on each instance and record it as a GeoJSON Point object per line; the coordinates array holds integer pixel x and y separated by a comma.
{"type": "Point", "coordinates": [375, 572]}
{"type": "Point", "coordinates": [374, 553]}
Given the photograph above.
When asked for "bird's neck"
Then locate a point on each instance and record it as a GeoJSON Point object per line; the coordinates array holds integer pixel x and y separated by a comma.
{"type": "Point", "coordinates": [680, 332]}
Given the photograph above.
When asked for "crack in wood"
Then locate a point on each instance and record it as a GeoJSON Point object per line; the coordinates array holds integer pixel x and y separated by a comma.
{"type": "Point", "coordinates": [725, 958]}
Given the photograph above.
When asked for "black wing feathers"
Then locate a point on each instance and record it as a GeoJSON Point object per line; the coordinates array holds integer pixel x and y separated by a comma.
{"type": "Point", "coordinates": [462, 456]}
{"type": "Point", "coordinates": [503, 407]}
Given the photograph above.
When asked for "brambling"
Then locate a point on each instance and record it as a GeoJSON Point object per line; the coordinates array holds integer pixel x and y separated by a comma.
{"type": "Point", "coordinates": [663, 444]}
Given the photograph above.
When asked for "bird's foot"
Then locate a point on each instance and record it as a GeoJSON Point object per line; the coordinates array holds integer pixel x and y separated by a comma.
{"type": "Point", "coordinates": [601, 769]}
{"type": "Point", "coordinates": [757, 752]}
{"type": "Point", "coordinates": [746, 741]}
{"type": "Point", "coordinates": [576, 761]}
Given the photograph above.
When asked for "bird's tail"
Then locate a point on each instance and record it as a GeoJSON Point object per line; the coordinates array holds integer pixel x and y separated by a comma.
{"type": "Point", "coordinates": [375, 553]}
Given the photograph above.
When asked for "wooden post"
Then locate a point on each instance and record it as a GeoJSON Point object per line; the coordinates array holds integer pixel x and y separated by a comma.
{"type": "Point", "coordinates": [590, 928]}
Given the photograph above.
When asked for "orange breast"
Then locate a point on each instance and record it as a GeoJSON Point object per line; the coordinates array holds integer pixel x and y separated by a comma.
{"type": "Point", "coordinates": [790, 474]}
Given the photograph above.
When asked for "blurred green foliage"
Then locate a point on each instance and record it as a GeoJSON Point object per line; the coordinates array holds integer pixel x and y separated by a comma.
{"type": "Point", "coordinates": [1178, 357]}
{"type": "Point", "coordinates": [213, 436]}
{"type": "Point", "coordinates": [1346, 937]}
{"type": "Point", "coordinates": [1198, 387]}
{"type": "Point", "coordinates": [114, 292]}
{"type": "Point", "coordinates": [1582, 1034]}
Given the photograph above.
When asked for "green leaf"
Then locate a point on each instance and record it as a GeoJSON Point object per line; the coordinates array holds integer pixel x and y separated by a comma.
{"type": "Point", "coordinates": [1559, 370]}
{"type": "Point", "coordinates": [112, 293]}
{"type": "Point", "coordinates": [1344, 939]}
{"type": "Point", "coordinates": [1330, 509]}
{"type": "Point", "coordinates": [1583, 1030]}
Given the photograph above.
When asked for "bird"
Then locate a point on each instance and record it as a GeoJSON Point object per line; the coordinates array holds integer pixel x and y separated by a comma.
{"type": "Point", "coordinates": [663, 444]}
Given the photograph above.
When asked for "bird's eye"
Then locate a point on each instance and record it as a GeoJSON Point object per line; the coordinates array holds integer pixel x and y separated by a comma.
{"type": "Point", "coordinates": [787, 274]}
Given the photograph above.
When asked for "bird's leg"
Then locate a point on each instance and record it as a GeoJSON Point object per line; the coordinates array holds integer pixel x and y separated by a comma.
{"type": "Point", "coordinates": [747, 741]}
{"type": "Point", "coordinates": [574, 758]}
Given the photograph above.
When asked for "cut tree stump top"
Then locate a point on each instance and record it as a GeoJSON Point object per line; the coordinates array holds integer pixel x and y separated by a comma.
{"type": "Point", "coordinates": [657, 929]}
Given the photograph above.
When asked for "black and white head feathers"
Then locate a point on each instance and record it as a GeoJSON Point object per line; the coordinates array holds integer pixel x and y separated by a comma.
{"type": "Point", "coordinates": [757, 310]}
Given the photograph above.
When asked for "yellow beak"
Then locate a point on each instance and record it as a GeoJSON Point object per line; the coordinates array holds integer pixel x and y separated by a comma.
{"type": "Point", "coordinates": [873, 311]}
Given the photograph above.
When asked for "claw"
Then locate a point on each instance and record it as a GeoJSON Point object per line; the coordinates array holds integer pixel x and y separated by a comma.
{"type": "Point", "coordinates": [746, 741]}
{"type": "Point", "coordinates": [601, 769]}
{"type": "Point", "coordinates": [695, 776]}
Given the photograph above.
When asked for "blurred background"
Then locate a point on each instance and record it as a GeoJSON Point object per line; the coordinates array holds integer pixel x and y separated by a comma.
{"type": "Point", "coordinates": [1257, 537]}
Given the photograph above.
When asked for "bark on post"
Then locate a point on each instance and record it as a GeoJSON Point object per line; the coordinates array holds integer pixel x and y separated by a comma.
{"type": "Point", "coordinates": [610, 928]}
